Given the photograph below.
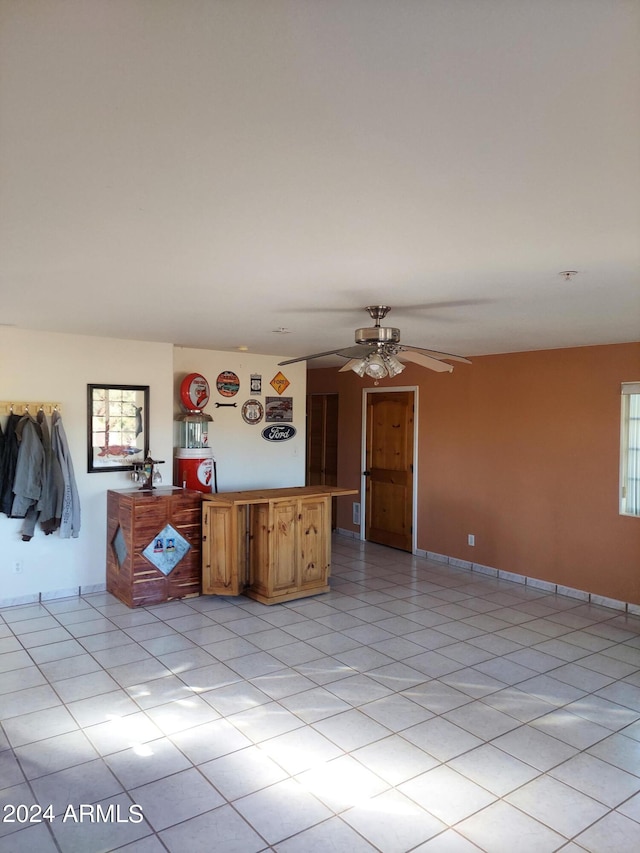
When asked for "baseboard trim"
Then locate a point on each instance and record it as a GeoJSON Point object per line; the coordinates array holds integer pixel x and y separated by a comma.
{"type": "Point", "coordinates": [52, 595]}
{"type": "Point", "coordinates": [535, 583]}
{"type": "Point", "coordinates": [350, 534]}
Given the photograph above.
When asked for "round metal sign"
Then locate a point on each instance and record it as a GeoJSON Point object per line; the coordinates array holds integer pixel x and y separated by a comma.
{"type": "Point", "coordinates": [194, 392]}
{"type": "Point", "coordinates": [228, 383]}
{"type": "Point", "coordinates": [252, 412]}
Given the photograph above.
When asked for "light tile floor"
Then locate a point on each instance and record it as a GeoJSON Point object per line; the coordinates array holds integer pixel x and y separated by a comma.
{"type": "Point", "coordinates": [415, 707]}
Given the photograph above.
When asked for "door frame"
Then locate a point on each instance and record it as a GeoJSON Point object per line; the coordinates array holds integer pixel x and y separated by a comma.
{"type": "Point", "coordinates": [363, 459]}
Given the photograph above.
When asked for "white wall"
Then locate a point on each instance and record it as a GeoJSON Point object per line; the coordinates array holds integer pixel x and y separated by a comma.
{"type": "Point", "coordinates": [244, 459]}
{"type": "Point", "coordinates": [52, 367]}
{"type": "Point", "coordinates": [42, 366]}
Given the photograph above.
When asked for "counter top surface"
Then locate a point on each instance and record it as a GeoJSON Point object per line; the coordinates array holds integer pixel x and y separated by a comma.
{"type": "Point", "coordinates": [156, 492]}
{"type": "Point", "coordinates": [257, 496]}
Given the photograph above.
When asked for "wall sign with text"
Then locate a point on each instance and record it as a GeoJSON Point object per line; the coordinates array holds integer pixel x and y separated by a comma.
{"type": "Point", "coordinates": [228, 383]}
{"type": "Point", "coordinates": [278, 432]}
{"type": "Point", "coordinates": [280, 383]}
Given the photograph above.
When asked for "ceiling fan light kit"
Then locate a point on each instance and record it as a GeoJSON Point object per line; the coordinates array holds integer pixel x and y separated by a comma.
{"type": "Point", "coordinates": [378, 352]}
{"type": "Point", "coordinates": [377, 365]}
{"type": "Point", "coordinates": [394, 366]}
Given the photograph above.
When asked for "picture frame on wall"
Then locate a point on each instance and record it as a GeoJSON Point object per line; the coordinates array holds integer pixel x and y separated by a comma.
{"type": "Point", "coordinates": [117, 426]}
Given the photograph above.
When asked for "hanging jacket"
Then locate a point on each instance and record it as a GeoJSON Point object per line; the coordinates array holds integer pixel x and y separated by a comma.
{"type": "Point", "coordinates": [29, 473]}
{"type": "Point", "coordinates": [8, 464]}
{"type": "Point", "coordinates": [48, 508]}
{"type": "Point", "coordinates": [50, 504]}
{"type": "Point", "coordinates": [70, 518]}
{"type": "Point", "coordinates": [2, 443]}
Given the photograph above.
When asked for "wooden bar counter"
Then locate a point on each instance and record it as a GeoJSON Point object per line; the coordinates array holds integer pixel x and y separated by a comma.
{"type": "Point", "coordinates": [273, 545]}
{"type": "Point", "coordinates": [153, 545]}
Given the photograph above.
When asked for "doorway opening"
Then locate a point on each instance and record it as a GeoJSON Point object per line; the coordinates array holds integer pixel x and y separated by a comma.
{"type": "Point", "coordinates": [322, 443]}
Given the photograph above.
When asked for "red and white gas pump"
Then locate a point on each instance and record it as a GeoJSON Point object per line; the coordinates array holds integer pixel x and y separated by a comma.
{"type": "Point", "coordinates": [195, 467]}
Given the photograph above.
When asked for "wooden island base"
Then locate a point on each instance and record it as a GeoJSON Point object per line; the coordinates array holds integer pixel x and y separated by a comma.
{"type": "Point", "coordinates": [273, 545]}
{"type": "Point", "coordinates": [135, 519]}
{"type": "Point", "coordinates": [289, 596]}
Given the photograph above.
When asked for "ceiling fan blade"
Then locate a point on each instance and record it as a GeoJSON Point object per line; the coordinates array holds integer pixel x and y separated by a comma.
{"type": "Point", "coordinates": [357, 302]}
{"type": "Point", "coordinates": [357, 351]}
{"type": "Point", "coordinates": [435, 354]}
{"type": "Point", "coordinates": [349, 365]}
{"type": "Point", "coordinates": [430, 306]}
{"type": "Point", "coordinates": [308, 357]}
{"type": "Point", "coordinates": [425, 361]}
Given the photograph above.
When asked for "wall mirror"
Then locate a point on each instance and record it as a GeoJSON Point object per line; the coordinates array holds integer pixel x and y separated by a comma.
{"type": "Point", "coordinates": [117, 426]}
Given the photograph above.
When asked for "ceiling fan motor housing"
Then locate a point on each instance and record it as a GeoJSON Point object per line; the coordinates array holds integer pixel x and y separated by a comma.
{"type": "Point", "coordinates": [378, 335]}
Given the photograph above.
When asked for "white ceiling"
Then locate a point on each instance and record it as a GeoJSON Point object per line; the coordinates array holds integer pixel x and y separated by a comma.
{"type": "Point", "coordinates": [203, 172]}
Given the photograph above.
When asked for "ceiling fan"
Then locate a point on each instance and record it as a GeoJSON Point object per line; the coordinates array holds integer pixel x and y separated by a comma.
{"type": "Point", "coordinates": [379, 353]}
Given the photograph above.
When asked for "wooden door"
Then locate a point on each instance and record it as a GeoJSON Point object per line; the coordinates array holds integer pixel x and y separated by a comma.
{"type": "Point", "coordinates": [389, 469]}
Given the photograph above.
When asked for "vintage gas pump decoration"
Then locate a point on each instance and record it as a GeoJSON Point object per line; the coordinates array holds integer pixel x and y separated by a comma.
{"type": "Point", "coordinates": [195, 466]}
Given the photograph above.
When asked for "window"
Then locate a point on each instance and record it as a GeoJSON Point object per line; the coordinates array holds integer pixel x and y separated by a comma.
{"type": "Point", "coordinates": [630, 450]}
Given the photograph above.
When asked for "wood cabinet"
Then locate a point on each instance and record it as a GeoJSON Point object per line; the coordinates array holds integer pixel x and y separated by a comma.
{"type": "Point", "coordinates": [290, 546]}
{"type": "Point", "coordinates": [273, 545]}
{"type": "Point", "coordinates": [153, 545]}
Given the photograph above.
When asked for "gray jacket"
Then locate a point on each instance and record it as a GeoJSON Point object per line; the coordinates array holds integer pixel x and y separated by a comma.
{"type": "Point", "coordinates": [70, 519]}
{"type": "Point", "coordinates": [48, 509]}
{"type": "Point", "coordinates": [29, 476]}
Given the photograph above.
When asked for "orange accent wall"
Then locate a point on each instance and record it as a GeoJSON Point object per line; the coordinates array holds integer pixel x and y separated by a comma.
{"type": "Point", "coordinates": [522, 450]}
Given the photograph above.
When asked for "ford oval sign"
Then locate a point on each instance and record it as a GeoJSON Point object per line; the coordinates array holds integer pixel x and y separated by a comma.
{"type": "Point", "coordinates": [278, 432]}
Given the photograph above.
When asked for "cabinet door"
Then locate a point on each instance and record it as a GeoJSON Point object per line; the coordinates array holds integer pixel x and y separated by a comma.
{"type": "Point", "coordinates": [284, 546]}
{"type": "Point", "coordinates": [221, 550]}
{"type": "Point", "coordinates": [314, 544]}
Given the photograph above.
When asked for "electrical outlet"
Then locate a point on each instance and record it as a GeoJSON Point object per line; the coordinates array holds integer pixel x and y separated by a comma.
{"type": "Point", "coordinates": [471, 539]}
{"type": "Point", "coordinates": [17, 567]}
{"type": "Point", "coordinates": [356, 513]}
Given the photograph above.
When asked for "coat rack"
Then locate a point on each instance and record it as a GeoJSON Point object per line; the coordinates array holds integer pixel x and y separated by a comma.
{"type": "Point", "coordinates": [8, 407]}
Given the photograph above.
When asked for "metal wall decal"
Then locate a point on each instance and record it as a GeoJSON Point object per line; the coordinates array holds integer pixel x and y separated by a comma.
{"type": "Point", "coordinates": [278, 409]}
{"type": "Point", "coordinates": [280, 383]}
{"type": "Point", "coordinates": [278, 432]}
{"type": "Point", "coordinates": [252, 412]}
{"type": "Point", "coordinates": [256, 383]}
{"type": "Point", "coordinates": [228, 383]}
